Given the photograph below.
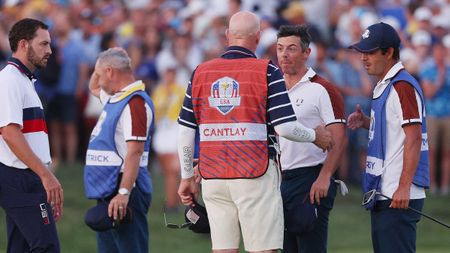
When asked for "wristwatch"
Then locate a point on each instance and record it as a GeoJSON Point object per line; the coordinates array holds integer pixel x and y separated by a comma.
{"type": "Point", "coordinates": [124, 191]}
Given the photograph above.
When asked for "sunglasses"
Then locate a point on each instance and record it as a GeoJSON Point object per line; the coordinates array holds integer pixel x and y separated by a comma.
{"type": "Point", "coordinates": [175, 226]}
{"type": "Point", "coordinates": [369, 196]}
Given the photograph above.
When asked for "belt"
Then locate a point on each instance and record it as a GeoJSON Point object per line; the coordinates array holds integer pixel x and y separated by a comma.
{"type": "Point", "coordinates": [381, 205]}
{"type": "Point", "coordinates": [300, 171]}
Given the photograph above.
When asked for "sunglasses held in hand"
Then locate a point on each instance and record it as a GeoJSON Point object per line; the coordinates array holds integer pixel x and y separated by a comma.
{"type": "Point", "coordinates": [175, 226]}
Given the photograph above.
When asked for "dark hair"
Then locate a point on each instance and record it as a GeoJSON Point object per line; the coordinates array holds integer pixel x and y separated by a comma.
{"type": "Point", "coordinates": [395, 54]}
{"type": "Point", "coordinates": [24, 29]}
{"type": "Point", "coordinates": [300, 31]}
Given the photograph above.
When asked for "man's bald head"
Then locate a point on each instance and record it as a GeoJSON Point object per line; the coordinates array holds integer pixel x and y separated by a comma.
{"type": "Point", "coordinates": [243, 24]}
{"type": "Point", "coordinates": [244, 30]}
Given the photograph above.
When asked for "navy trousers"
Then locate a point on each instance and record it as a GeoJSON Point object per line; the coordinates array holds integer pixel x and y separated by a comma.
{"type": "Point", "coordinates": [130, 237]}
{"type": "Point", "coordinates": [29, 219]}
{"type": "Point", "coordinates": [394, 230]}
{"type": "Point", "coordinates": [298, 182]}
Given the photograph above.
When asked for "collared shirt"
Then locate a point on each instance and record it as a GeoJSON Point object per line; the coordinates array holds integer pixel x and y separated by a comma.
{"type": "Point", "coordinates": [21, 105]}
{"type": "Point", "coordinates": [315, 102]}
{"type": "Point", "coordinates": [135, 121]}
{"type": "Point", "coordinates": [21, 67]}
{"type": "Point", "coordinates": [382, 84]}
{"type": "Point", "coordinates": [279, 108]}
{"type": "Point", "coordinates": [403, 107]}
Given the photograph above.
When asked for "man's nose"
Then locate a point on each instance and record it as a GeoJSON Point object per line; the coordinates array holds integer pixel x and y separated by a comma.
{"type": "Point", "coordinates": [363, 56]}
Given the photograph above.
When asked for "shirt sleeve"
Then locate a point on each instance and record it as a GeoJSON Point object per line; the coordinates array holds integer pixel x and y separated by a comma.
{"type": "Point", "coordinates": [187, 117]}
{"type": "Point", "coordinates": [409, 105]}
{"type": "Point", "coordinates": [11, 103]}
{"type": "Point", "coordinates": [331, 104]}
{"type": "Point", "coordinates": [136, 119]}
{"type": "Point", "coordinates": [279, 105]}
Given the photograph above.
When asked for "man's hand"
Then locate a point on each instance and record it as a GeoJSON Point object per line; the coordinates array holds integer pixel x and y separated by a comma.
{"type": "Point", "coordinates": [356, 119]}
{"type": "Point", "coordinates": [16, 141]}
{"type": "Point", "coordinates": [94, 86]}
{"type": "Point", "coordinates": [319, 189]}
{"type": "Point", "coordinates": [188, 188]}
{"type": "Point", "coordinates": [55, 194]}
{"type": "Point", "coordinates": [324, 140]}
{"type": "Point", "coordinates": [400, 199]}
{"type": "Point", "coordinates": [117, 208]}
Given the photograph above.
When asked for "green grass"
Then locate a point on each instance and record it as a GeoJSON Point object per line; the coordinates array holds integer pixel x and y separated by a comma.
{"type": "Point", "coordinates": [349, 223]}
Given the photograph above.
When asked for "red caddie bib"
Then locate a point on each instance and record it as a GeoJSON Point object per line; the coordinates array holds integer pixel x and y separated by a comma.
{"type": "Point", "coordinates": [229, 99]}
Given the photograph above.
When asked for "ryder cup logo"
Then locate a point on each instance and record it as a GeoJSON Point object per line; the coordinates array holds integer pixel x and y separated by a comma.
{"type": "Point", "coordinates": [224, 95]}
{"type": "Point", "coordinates": [372, 125]}
{"type": "Point", "coordinates": [366, 34]}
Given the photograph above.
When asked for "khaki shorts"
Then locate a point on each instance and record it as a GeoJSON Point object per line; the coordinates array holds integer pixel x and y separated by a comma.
{"type": "Point", "coordinates": [438, 130]}
{"type": "Point", "coordinates": [251, 205]}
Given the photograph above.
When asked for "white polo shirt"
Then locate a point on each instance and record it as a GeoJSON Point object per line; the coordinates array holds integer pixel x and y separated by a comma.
{"type": "Point", "coordinates": [315, 102]}
{"type": "Point", "coordinates": [20, 104]}
{"type": "Point", "coordinates": [403, 106]}
{"type": "Point", "coordinates": [134, 123]}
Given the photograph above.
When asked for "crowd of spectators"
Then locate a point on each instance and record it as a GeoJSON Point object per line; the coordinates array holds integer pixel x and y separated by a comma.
{"type": "Point", "coordinates": [163, 36]}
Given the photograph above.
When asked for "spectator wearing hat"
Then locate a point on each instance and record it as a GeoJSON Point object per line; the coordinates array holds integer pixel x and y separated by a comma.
{"type": "Point", "coordinates": [295, 13]}
{"type": "Point", "coordinates": [397, 156]}
{"type": "Point", "coordinates": [237, 102]}
{"type": "Point", "coordinates": [168, 98]}
{"type": "Point", "coordinates": [118, 152]}
{"type": "Point", "coordinates": [421, 42]}
{"type": "Point", "coordinates": [422, 17]}
{"type": "Point", "coordinates": [435, 81]}
{"type": "Point", "coordinates": [307, 170]}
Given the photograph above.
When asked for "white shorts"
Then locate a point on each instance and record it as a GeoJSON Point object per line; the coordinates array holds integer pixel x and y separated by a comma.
{"type": "Point", "coordinates": [252, 205]}
{"type": "Point", "coordinates": [165, 137]}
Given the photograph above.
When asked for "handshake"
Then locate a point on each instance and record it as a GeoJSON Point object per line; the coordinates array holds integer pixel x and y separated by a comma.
{"type": "Point", "coordinates": [323, 140]}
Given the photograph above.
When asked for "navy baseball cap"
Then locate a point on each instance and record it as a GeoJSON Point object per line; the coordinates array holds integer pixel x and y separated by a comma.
{"type": "Point", "coordinates": [97, 218]}
{"type": "Point", "coordinates": [198, 217]}
{"type": "Point", "coordinates": [377, 36]}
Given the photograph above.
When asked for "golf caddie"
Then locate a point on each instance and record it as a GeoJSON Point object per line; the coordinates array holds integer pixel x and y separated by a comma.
{"type": "Point", "coordinates": [397, 155]}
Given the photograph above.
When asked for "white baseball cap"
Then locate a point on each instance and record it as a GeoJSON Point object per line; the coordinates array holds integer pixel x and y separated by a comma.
{"type": "Point", "coordinates": [421, 38]}
{"type": "Point", "coordinates": [446, 41]}
{"type": "Point", "coordinates": [392, 21]}
{"type": "Point", "coordinates": [440, 21]}
{"type": "Point", "coordinates": [422, 13]}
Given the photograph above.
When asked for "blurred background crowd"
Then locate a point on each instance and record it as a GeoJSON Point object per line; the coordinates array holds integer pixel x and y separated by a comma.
{"type": "Point", "coordinates": [167, 39]}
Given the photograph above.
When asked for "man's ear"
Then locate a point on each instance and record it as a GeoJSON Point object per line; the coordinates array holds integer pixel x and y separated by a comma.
{"type": "Point", "coordinates": [258, 37]}
{"type": "Point", "coordinates": [308, 52]}
{"type": "Point", "coordinates": [24, 44]}
{"type": "Point", "coordinates": [109, 72]}
{"type": "Point", "coordinates": [226, 33]}
{"type": "Point", "coordinates": [390, 52]}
